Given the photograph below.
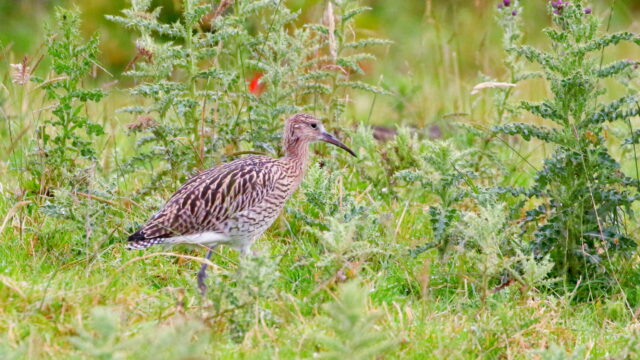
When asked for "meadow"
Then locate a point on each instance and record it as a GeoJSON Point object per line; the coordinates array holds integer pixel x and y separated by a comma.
{"type": "Point", "coordinates": [489, 214]}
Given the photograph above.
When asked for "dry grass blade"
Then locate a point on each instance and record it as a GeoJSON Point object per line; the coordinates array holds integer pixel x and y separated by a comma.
{"type": "Point", "coordinates": [52, 80]}
{"type": "Point", "coordinates": [188, 257]}
{"type": "Point", "coordinates": [12, 212]}
{"type": "Point", "coordinates": [14, 144]}
{"type": "Point", "coordinates": [12, 285]}
{"type": "Point", "coordinates": [97, 198]}
{"type": "Point", "coordinates": [490, 85]}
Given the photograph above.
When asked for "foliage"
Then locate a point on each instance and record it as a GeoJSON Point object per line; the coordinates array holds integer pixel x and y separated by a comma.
{"type": "Point", "coordinates": [341, 223]}
{"type": "Point", "coordinates": [94, 213]}
{"type": "Point", "coordinates": [66, 138]}
{"type": "Point", "coordinates": [632, 347]}
{"type": "Point", "coordinates": [334, 276]}
{"type": "Point", "coordinates": [492, 244]}
{"type": "Point", "coordinates": [240, 296]}
{"type": "Point", "coordinates": [193, 73]}
{"type": "Point", "coordinates": [12, 354]}
{"type": "Point", "coordinates": [340, 231]}
{"type": "Point", "coordinates": [353, 327]}
{"type": "Point", "coordinates": [557, 352]}
{"type": "Point", "coordinates": [488, 163]}
{"type": "Point", "coordinates": [584, 199]}
{"type": "Point", "coordinates": [446, 174]}
{"type": "Point", "coordinates": [102, 339]}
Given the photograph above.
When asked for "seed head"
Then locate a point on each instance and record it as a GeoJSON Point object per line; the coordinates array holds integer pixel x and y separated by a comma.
{"type": "Point", "coordinates": [329, 19]}
{"type": "Point", "coordinates": [143, 122]}
{"type": "Point", "coordinates": [21, 72]}
{"type": "Point", "coordinates": [144, 51]}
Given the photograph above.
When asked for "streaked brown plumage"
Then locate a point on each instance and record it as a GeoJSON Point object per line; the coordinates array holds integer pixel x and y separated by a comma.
{"type": "Point", "coordinates": [234, 203]}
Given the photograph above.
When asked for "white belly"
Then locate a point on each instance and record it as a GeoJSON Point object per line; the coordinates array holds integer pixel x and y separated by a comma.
{"type": "Point", "coordinates": [208, 238]}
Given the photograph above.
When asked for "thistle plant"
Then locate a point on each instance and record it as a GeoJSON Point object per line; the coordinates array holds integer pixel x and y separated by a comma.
{"type": "Point", "coordinates": [491, 242]}
{"type": "Point", "coordinates": [584, 198]}
{"type": "Point", "coordinates": [103, 339]}
{"type": "Point", "coordinates": [443, 173]}
{"type": "Point", "coordinates": [345, 228]}
{"type": "Point", "coordinates": [354, 335]}
{"type": "Point", "coordinates": [66, 137]}
{"type": "Point", "coordinates": [194, 76]}
{"type": "Point", "coordinates": [241, 297]}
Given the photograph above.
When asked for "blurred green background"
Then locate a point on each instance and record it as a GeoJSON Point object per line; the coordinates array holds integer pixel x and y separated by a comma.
{"type": "Point", "coordinates": [440, 46]}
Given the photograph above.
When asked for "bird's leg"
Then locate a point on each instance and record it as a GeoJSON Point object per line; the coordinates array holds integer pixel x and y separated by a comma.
{"type": "Point", "coordinates": [202, 274]}
{"type": "Point", "coordinates": [245, 250]}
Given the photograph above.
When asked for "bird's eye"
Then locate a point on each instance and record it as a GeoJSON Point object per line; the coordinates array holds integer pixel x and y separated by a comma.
{"type": "Point", "coordinates": [314, 125]}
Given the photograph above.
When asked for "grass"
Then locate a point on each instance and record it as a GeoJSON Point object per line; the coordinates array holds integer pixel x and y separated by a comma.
{"type": "Point", "coordinates": [46, 300]}
{"type": "Point", "coordinates": [429, 308]}
{"type": "Point", "coordinates": [68, 289]}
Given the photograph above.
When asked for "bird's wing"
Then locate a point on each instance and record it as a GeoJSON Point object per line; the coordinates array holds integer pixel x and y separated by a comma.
{"type": "Point", "coordinates": [210, 198]}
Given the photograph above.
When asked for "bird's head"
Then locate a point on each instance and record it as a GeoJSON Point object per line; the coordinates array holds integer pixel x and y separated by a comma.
{"type": "Point", "coordinates": [304, 129]}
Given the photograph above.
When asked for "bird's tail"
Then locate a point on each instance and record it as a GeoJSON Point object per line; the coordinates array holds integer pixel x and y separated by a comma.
{"type": "Point", "coordinates": [137, 241]}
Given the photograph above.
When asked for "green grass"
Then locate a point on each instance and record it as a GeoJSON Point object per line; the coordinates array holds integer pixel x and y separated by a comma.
{"type": "Point", "coordinates": [52, 282]}
{"type": "Point", "coordinates": [69, 289]}
{"type": "Point", "coordinates": [48, 297]}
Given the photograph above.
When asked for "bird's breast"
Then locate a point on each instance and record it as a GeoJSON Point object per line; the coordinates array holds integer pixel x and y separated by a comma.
{"type": "Point", "coordinates": [254, 221]}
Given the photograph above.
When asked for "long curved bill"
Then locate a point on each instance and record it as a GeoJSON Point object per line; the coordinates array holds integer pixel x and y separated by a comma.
{"type": "Point", "coordinates": [326, 137]}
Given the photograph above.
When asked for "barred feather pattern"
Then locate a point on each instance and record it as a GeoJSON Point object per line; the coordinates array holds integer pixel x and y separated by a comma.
{"type": "Point", "coordinates": [233, 203]}
{"type": "Point", "coordinates": [238, 200]}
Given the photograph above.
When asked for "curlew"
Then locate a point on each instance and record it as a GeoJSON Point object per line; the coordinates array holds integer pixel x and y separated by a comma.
{"type": "Point", "coordinates": [234, 203]}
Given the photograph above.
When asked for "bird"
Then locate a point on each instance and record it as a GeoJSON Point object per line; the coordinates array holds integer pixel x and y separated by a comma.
{"type": "Point", "coordinates": [234, 203]}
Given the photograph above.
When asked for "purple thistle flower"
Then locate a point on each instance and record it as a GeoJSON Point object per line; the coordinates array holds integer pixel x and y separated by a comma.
{"type": "Point", "coordinates": [506, 3]}
{"type": "Point", "coordinates": [514, 12]}
{"type": "Point", "coordinates": [587, 11]}
{"type": "Point", "coordinates": [500, 6]}
{"type": "Point", "coordinates": [559, 5]}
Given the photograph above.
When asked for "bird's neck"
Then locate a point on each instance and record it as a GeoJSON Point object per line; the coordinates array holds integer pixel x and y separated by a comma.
{"type": "Point", "coordinates": [296, 155]}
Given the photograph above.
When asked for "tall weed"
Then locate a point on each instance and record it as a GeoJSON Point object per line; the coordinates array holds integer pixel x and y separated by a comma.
{"type": "Point", "coordinates": [64, 148]}
{"type": "Point", "coordinates": [220, 81]}
{"type": "Point", "coordinates": [584, 198]}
